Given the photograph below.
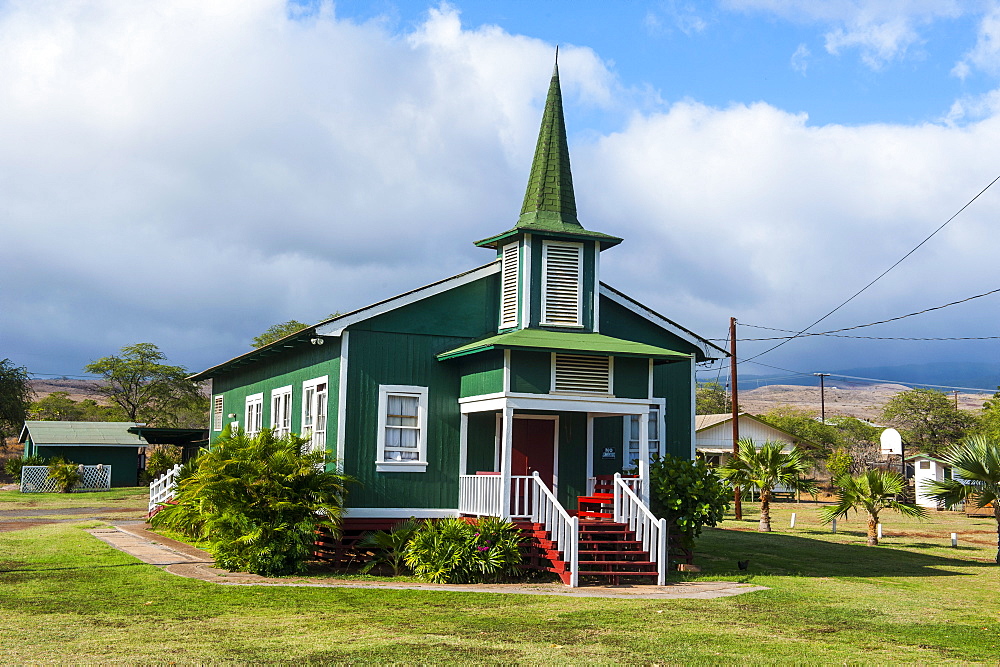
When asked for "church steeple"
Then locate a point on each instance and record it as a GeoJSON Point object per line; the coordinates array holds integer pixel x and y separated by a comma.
{"type": "Point", "coordinates": [549, 196]}
{"type": "Point", "coordinates": [549, 206]}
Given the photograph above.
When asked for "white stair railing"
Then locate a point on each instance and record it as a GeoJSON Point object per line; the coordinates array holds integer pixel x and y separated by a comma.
{"type": "Point", "coordinates": [652, 532]}
{"type": "Point", "coordinates": [162, 488]}
{"type": "Point", "coordinates": [563, 528]}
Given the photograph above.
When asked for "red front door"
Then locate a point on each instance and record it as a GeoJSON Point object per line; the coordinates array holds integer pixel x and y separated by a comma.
{"type": "Point", "coordinates": [534, 448]}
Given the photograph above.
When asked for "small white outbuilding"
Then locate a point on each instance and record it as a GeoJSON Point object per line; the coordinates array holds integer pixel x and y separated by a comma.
{"type": "Point", "coordinates": [927, 468]}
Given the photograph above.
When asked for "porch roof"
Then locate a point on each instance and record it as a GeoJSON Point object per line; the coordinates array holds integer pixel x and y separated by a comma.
{"type": "Point", "coordinates": [565, 341]}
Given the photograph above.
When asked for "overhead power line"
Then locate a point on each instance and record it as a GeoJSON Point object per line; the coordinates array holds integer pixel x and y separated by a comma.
{"type": "Point", "coordinates": [879, 276]}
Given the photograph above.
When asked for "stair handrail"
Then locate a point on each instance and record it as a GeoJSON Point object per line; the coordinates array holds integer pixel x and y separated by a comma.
{"type": "Point", "coordinates": [652, 532]}
{"type": "Point", "coordinates": [564, 529]}
{"type": "Point", "coordinates": [162, 488]}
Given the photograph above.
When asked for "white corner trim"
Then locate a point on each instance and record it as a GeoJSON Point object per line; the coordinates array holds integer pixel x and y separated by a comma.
{"type": "Point", "coordinates": [526, 283]}
{"type": "Point", "coordinates": [342, 402]}
{"type": "Point", "coordinates": [337, 326]}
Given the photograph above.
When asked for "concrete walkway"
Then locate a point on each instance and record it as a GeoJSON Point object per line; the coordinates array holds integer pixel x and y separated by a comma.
{"type": "Point", "coordinates": [186, 561]}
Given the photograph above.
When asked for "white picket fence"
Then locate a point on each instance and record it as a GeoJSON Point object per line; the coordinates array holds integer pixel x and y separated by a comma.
{"type": "Point", "coordinates": [35, 479]}
{"type": "Point", "coordinates": [162, 488]}
{"type": "Point", "coordinates": [649, 530]}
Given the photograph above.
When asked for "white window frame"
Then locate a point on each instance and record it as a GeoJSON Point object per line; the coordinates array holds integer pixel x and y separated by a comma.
{"type": "Point", "coordinates": [421, 393]}
{"type": "Point", "coordinates": [656, 411]}
{"type": "Point", "coordinates": [510, 269]}
{"type": "Point", "coordinates": [315, 407]}
{"type": "Point", "coordinates": [546, 245]}
{"type": "Point", "coordinates": [281, 411]}
{"type": "Point", "coordinates": [254, 413]}
{"type": "Point", "coordinates": [218, 412]}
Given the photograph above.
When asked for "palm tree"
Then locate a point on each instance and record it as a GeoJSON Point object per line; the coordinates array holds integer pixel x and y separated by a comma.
{"type": "Point", "coordinates": [975, 464]}
{"type": "Point", "coordinates": [766, 468]}
{"type": "Point", "coordinates": [872, 491]}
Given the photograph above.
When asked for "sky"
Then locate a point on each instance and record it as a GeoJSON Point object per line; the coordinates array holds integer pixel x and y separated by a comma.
{"type": "Point", "coordinates": [189, 173]}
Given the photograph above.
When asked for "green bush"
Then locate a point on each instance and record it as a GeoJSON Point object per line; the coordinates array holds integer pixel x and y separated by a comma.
{"type": "Point", "coordinates": [65, 474]}
{"type": "Point", "coordinates": [13, 466]}
{"type": "Point", "coordinates": [455, 551]}
{"type": "Point", "coordinates": [389, 546]}
{"type": "Point", "coordinates": [161, 458]}
{"type": "Point", "coordinates": [258, 502]}
{"type": "Point", "coordinates": [689, 495]}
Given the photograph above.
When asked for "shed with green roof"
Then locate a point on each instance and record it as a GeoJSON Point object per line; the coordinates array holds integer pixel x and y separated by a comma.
{"type": "Point", "coordinates": [115, 444]}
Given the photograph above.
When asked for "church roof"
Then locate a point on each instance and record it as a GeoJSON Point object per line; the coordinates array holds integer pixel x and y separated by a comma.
{"type": "Point", "coordinates": [549, 202]}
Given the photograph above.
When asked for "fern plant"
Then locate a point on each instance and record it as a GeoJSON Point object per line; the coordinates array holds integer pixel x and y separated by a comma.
{"type": "Point", "coordinates": [258, 501]}
{"type": "Point", "coordinates": [388, 546]}
{"type": "Point", "coordinates": [65, 474]}
{"type": "Point", "coordinates": [455, 551]}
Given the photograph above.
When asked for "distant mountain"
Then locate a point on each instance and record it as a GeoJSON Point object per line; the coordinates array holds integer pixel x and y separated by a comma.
{"type": "Point", "coordinates": [962, 374]}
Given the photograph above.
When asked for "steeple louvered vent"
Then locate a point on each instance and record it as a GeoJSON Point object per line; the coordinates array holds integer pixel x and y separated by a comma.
{"type": "Point", "coordinates": [510, 266]}
{"type": "Point", "coordinates": [582, 374]}
{"type": "Point", "coordinates": [562, 278]}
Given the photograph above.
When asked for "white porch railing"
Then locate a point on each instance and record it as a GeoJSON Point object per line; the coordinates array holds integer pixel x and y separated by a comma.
{"type": "Point", "coordinates": [634, 483]}
{"type": "Point", "coordinates": [649, 530]}
{"type": "Point", "coordinates": [530, 499]}
{"type": "Point", "coordinates": [563, 528]}
{"type": "Point", "coordinates": [162, 488]}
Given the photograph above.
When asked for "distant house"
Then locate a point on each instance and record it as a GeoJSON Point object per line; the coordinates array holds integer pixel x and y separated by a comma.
{"type": "Point", "coordinates": [714, 435]}
{"type": "Point", "coordinates": [927, 468]}
{"type": "Point", "coordinates": [89, 443]}
{"type": "Point", "coordinates": [121, 445]}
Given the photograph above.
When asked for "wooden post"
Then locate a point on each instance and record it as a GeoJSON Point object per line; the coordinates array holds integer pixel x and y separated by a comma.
{"type": "Point", "coordinates": [737, 501]}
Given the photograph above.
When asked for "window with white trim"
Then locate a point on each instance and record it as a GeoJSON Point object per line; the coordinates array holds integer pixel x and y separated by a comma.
{"type": "Point", "coordinates": [254, 413]}
{"type": "Point", "coordinates": [581, 374]}
{"type": "Point", "coordinates": [402, 429]}
{"type": "Point", "coordinates": [314, 399]}
{"type": "Point", "coordinates": [653, 433]}
{"type": "Point", "coordinates": [509, 281]}
{"type": "Point", "coordinates": [281, 411]}
{"type": "Point", "coordinates": [562, 284]}
{"type": "Point", "coordinates": [217, 413]}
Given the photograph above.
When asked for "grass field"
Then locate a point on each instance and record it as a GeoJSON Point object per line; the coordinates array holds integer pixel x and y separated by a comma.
{"type": "Point", "coordinates": [65, 596]}
{"type": "Point", "coordinates": [125, 498]}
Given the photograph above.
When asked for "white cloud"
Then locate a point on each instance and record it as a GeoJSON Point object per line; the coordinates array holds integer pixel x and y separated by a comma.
{"type": "Point", "coordinates": [668, 15]}
{"type": "Point", "coordinates": [985, 55]}
{"type": "Point", "coordinates": [881, 31]}
{"type": "Point", "coordinates": [800, 59]}
{"type": "Point", "coordinates": [189, 173]}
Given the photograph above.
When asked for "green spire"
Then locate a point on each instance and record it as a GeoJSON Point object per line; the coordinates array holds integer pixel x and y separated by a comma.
{"type": "Point", "coordinates": [550, 195]}
{"type": "Point", "coordinates": [549, 203]}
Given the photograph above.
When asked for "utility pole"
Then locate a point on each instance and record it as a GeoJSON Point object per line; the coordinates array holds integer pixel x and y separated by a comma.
{"type": "Point", "coordinates": [737, 501]}
{"type": "Point", "coordinates": [822, 396]}
{"type": "Point", "coordinates": [956, 399]}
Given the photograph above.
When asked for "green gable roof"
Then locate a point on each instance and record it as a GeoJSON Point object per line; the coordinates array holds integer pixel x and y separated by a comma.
{"type": "Point", "coordinates": [549, 202]}
{"type": "Point", "coordinates": [113, 434]}
{"type": "Point", "coordinates": [561, 341]}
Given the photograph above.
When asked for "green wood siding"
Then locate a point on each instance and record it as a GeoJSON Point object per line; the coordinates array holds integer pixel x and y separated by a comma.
{"type": "Point", "coordinates": [572, 457]}
{"type": "Point", "coordinates": [482, 374]}
{"type": "Point", "coordinates": [631, 378]}
{"type": "Point", "coordinates": [380, 358]}
{"type": "Point", "coordinates": [482, 442]}
{"type": "Point", "coordinates": [608, 432]}
{"type": "Point", "coordinates": [530, 372]}
{"type": "Point", "coordinates": [124, 461]}
{"type": "Point", "coordinates": [673, 382]}
{"type": "Point", "coordinates": [293, 367]}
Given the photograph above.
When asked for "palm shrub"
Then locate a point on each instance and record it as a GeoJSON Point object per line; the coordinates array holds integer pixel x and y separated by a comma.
{"type": "Point", "coordinates": [689, 495]}
{"type": "Point", "coordinates": [873, 492]}
{"type": "Point", "coordinates": [389, 546]}
{"type": "Point", "coordinates": [13, 466]}
{"type": "Point", "coordinates": [975, 467]}
{"type": "Point", "coordinates": [455, 551]}
{"type": "Point", "coordinates": [765, 468]}
{"type": "Point", "coordinates": [162, 458]}
{"type": "Point", "coordinates": [258, 502]}
{"type": "Point", "coordinates": [65, 474]}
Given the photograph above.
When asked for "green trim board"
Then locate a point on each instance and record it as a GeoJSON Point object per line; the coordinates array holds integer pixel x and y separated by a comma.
{"type": "Point", "coordinates": [565, 341]}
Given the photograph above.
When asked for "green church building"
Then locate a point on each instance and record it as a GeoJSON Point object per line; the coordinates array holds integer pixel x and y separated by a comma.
{"type": "Point", "coordinates": [454, 398]}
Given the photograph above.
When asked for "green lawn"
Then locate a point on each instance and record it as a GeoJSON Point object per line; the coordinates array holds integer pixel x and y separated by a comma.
{"type": "Point", "coordinates": [64, 596]}
{"type": "Point", "coordinates": [124, 498]}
